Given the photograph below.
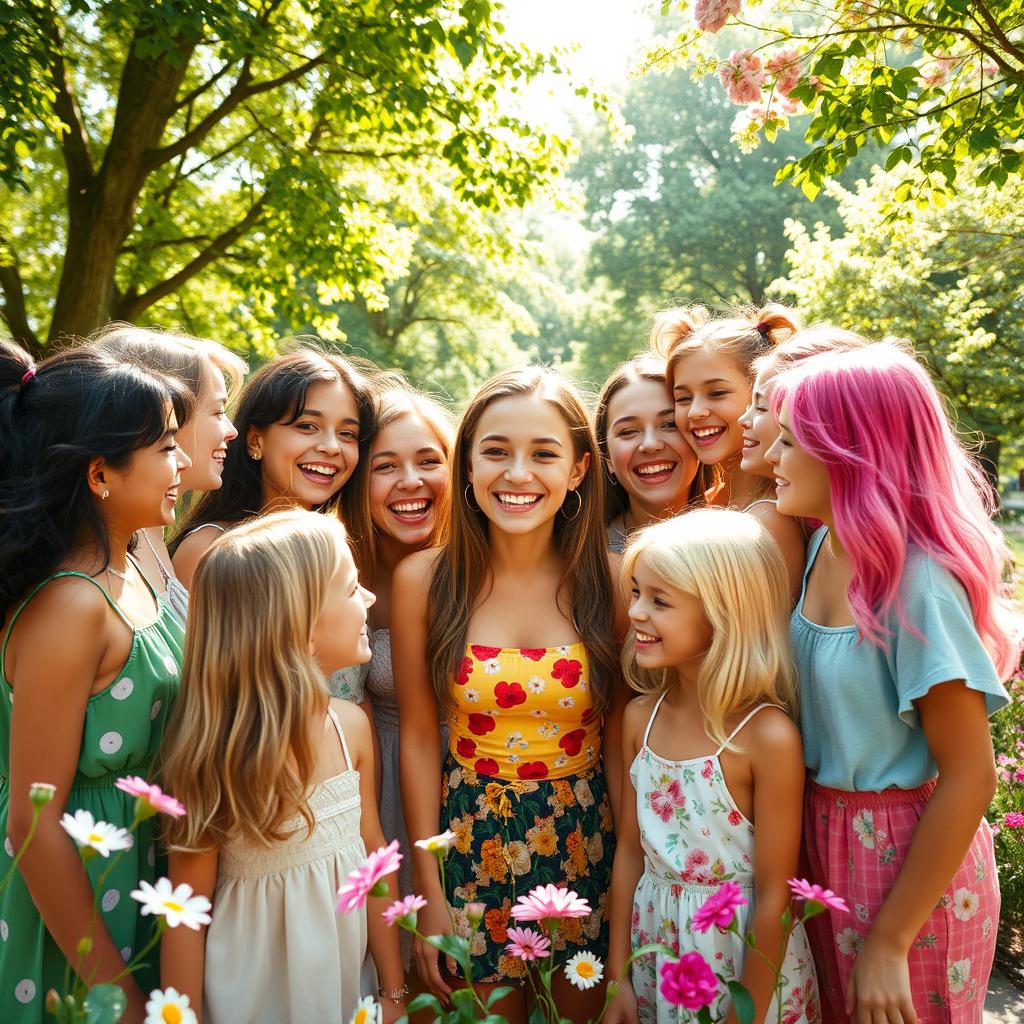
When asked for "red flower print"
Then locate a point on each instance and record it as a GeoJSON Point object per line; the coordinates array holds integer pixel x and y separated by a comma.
{"type": "Point", "coordinates": [708, 770]}
{"type": "Point", "coordinates": [486, 766]}
{"type": "Point", "coordinates": [533, 770]}
{"type": "Point", "coordinates": [533, 653]}
{"type": "Point", "coordinates": [572, 742]}
{"type": "Point", "coordinates": [665, 800]}
{"type": "Point", "coordinates": [696, 870]}
{"type": "Point", "coordinates": [481, 725]}
{"type": "Point", "coordinates": [484, 653]}
{"type": "Point", "coordinates": [567, 671]}
{"type": "Point", "coordinates": [735, 817]}
{"type": "Point", "coordinates": [465, 668]}
{"type": "Point", "coordinates": [466, 747]}
{"type": "Point", "coordinates": [508, 695]}
{"type": "Point", "coordinates": [588, 716]}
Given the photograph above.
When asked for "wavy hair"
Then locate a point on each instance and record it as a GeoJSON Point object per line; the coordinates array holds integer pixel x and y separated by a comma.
{"type": "Point", "coordinates": [238, 749]}
{"type": "Point", "coordinates": [462, 568]}
{"type": "Point", "coordinates": [732, 565]}
{"type": "Point", "coordinates": [810, 341]}
{"type": "Point", "coordinates": [899, 477]}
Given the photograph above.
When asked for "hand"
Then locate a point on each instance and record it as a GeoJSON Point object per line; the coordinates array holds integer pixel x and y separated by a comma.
{"type": "Point", "coordinates": [392, 1011]}
{"type": "Point", "coordinates": [879, 991]}
{"type": "Point", "coordinates": [433, 920]}
{"type": "Point", "coordinates": [622, 1009]}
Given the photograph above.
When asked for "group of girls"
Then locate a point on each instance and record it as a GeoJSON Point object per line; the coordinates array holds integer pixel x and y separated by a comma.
{"type": "Point", "coordinates": [759, 590]}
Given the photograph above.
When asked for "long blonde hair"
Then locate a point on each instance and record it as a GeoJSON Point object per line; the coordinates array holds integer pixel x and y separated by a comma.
{"type": "Point", "coordinates": [732, 564]}
{"type": "Point", "coordinates": [238, 750]}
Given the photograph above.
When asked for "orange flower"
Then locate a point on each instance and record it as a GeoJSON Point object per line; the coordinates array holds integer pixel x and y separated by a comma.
{"type": "Point", "coordinates": [492, 857]}
{"type": "Point", "coordinates": [571, 929]}
{"type": "Point", "coordinates": [541, 839]}
{"type": "Point", "coordinates": [463, 829]}
{"type": "Point", "coordinates": [577, 851]}
{"type": "Point", "coordinates": [511, 966]}
{"type": "Point", "coordinates": [564, 792]}
{"type": "Point", "coordinates": [496, 922]}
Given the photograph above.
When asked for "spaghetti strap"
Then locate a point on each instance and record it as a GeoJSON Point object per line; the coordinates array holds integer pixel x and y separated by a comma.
{"type": "Point", "coordinates": [203, 526]}
{"type": "Point", "coordinates": [762, 501]}
{"type": "Point", "coordinates": [746, 718]}
{"type": "Point", "coordinates": [654, 712]}
{"type": "Point", "coordinates": [165, 573]}
{"type": "Point", "coordinates": [817, 539]}
{"type": "Point", "coordinates": [341, 736]}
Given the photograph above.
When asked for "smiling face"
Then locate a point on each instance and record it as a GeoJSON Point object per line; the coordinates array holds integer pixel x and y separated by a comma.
{"type": "Point", "coordinates": [801, 480]}
{"type": "Point", "coordinates": [522, 463]}
{"type": "Point", "coordinates": [340, 637]}
{"type": "Point", "coordinates": [206, 435]}
{"type": "Point", "coordinates": [759, 428]}
{"type": "Point", "coordinates": [710, 391]}
{"type": "Point", "coordinates": [408, 480]}
{"type": "Point", "coordinates": [646, 453]}
{"type": "Point", "coordinates": [307, 461]}
{"type": "Point", "coordinates": [670, 627]}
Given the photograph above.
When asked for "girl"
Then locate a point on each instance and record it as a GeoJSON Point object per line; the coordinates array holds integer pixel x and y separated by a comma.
{"type": "Point", "coordinates": [710, 371]}
{"type": "Point", "coordinates": [210, 373]}
{"type": "Point", "coordinates": [651, 471]}
{"type": "Point", "coordinates": [712, 754]}
{"type": "Point", "coordinates": [401, 506]}
{"type": "Point", "coordinates": [89, 659]}
{"type": "Point", "coordinates": [304, 422]}
{"type": "Point", "coordinates": [510, 626]}
{"type": "Point", "coordinates": [278, 781]}
{"type": "Point", "coordinates": [901, 634]}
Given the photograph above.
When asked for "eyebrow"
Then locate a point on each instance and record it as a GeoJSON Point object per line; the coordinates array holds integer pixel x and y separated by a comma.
{"type": "Point", "coordinates": [170, 432]}
{"type": "Point", "coordinates": [624, 419]}
{"type": "Point", "coordinates": [784, 426]}
{"type": "Point", "coordinates": [656, 589]}
{"type": "Point", "coordinates": [318, 413]}
{"type": "Point", "coordinates": [419, 451]}
{"type": "Point", "coordinates": [536, 440]}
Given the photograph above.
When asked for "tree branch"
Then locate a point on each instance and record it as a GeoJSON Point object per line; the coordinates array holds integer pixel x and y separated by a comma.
{"type": "Point", "coordinates": [150, 246]}
{"type": "Point", "coordinates": [13, 310]}
{"type": "Point", "coordinates": [997, 30]}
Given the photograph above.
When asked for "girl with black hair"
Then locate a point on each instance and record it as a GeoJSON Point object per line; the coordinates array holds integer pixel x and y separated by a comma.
{"type": "Point", "coordinates": [89, 659]}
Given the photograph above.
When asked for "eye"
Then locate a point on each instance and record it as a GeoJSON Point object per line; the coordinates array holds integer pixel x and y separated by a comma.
{"type": "Point", "coordinates": [382, 467]}
{"type": "Point", "coordinates": [760, 408]}
{"type": "Point", "coordinates": [669, 425]}
{"type": "Point", "coordinates": [431, 462]}
{"type": "Point", "coordinates": [719, 394]}
{"type": "Point", "coordinates": [658, 603]}
{"type": "Point", "coordinates": [351, 435]}
{"type": "Point", "coordinates": [494, 451]}
{"type": "Point", "coordinates": [683, 399]}
{"type": "Point", "coordinates": [635, 593]}
{"type": "Point", "coordinates": [305, 427]}
{"type": "Point", "coordinates": [547, 455]}
{"type": "Point", "coordinates": [628, 432]}
{"type": "Point", "coordinates": [170, 448]}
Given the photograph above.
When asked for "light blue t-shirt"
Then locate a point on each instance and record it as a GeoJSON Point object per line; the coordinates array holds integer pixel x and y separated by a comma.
{"type": "Point", "coordinates": [860, 727]}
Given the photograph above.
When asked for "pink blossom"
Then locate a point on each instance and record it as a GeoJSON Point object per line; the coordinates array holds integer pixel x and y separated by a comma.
{"type": "Point", "coordinates": [688, 982]}
{"type": "Point", "coordinates": [550, 901]}
{"type": "Point", "coordinates": [363, 881]}
{"type": "Point", "coordinates": [806, 891]}
{"type": "Point", "coordinates": [720, 908]}
{"type": "Point", "coordinates": [664, 801]}
{"type": "Point", "coordinates": [154, 799]}
{"type": "Point", "coordinates": [742, 76]}
{"type": "Point", "coordinates": [711, 15]}
{"type": "Point", "coordinates": [527, 943]}
{"type": "Point", "coordinates": [1013, 819]}
{"type": "Point", "coordinates": [403, 908]}
{"type": "Point", "coordinates": [785, 66]}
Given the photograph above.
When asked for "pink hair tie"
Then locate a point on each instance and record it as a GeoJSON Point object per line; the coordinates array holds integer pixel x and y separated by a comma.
{"type": "Point", "coordinates": [28, 375]}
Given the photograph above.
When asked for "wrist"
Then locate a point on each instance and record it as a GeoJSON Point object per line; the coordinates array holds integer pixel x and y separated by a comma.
{"type": "Point", "coordinates": [396, 994]}
{"type": "Point", "coordinates": [891, 939]}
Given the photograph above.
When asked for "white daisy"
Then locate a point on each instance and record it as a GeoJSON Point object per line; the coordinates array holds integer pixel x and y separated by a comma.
{"type": "Point", "coordinates": [437, 844]}
{"type": "Point", "coordinates": [512, 740]}
{"type": "Point", "coordinates": [849, 940]}
{"type": "Point", "coordinates": [965, 904]}
{"type": "Point", "coordinates": [584, 970]}
{"type": "Point", "coordinates": [99, 836]}
{"type": "Point", "coordinates": [368, 1011]}
{"type": "Point", "coordinates": [564, 651]}
{"type": "Point", "coordinates": [535, 684]}
{"type": "Point", "coordinates": [471, 695]}
{"type": "Point", "coordinates": [864, 828]}
{"type": "Point", "coordinates": [514, 758]}
{"type": "Point", "coordinates": [174, 903]}
{"type": "Point", "coordinates": [561, 761]}
{"type": "Point", "coordinates": [169, 1007]}
{"type": "Point", "coordinates": [492, 667]}
{"type": "Point", "coordinates": [567, 702]}
{"type": "Point", "coordinates": [958, 974]}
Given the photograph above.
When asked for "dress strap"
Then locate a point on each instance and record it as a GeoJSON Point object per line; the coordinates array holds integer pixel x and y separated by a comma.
{"type": "Point", "coordinates": [203, 526]}
{"type": "Point", "coordinates": [650, 721]}
{"type": "Point", "coordinates": [813, 547]}
{"type": "Point", "coordinates": [746, 718]}
{"type": "Point", "coordinates": [165, 573]}
{"type": "Point", "coordinates": [341, 736]}
{"type": "Point", "coordinates": [762, 501]}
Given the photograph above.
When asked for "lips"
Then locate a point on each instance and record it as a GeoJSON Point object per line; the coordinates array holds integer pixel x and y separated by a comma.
{"type": "Point", "coordinates": [645, 640]}
{"type": "Point", "coordinates": [750, 442]}
{"type": "Point", "coordinates": [704, 437]}
{"type": "Point", "coordinates": [652, 473]}
{"type": "Point", "coordinates": [411, 510]}
{"type": "Point", "coordinates": [320, 473]}
{"type": "Point", "coordinates": [517, 503]}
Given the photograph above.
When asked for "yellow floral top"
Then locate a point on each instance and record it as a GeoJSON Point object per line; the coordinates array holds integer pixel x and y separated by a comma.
{"type": "Point", "coordinates": [525, 713]}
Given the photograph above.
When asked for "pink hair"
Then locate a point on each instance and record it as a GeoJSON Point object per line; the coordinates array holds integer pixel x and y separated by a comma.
{"type": "Point", "coordinates": [899, 476]}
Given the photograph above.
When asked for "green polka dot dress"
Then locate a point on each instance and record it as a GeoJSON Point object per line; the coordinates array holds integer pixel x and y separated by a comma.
{"type": "Point", "coordinates": [122, 728]}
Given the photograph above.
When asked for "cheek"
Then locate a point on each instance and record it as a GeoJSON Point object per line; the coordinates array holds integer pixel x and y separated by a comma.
{"type": "Point", "coordinates": [438, 482]}
{"type": "Point", "coordinates": [619, 452]}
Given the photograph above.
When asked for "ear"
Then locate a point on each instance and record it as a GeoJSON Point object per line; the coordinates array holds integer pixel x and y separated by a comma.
{"type": "Point", "coordinates": [254, 441]}
{"type": "Point", "coordinates": [579, 471]}
{"type": "Point", "coordinates": [96, 476]}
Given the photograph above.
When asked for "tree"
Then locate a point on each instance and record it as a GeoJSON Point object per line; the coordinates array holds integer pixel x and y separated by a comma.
{"type": "Point", "coordinates": [237, 145]}
{"type": "Point", "coordinates": [937, 80]}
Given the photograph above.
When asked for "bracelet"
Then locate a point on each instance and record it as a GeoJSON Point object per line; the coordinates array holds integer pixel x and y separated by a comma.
{"type": "Point", "coordinates": [396, 995]}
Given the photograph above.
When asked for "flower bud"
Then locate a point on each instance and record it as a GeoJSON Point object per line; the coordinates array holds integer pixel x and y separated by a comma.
{"type": "Point", "coordinates": [52, 1002]}
{"type": "Point", "coordinates": [84, 947]}
{"type": "Point", "coordinates": [475, 913]}
{"type": "Point", "coordinates": [41, 793]}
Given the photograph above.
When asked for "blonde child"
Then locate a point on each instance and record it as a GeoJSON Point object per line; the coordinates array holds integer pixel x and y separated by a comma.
{"type": "Point", "coordinates": [278, 780]}
{"type": "Point", "coordinates": [711, 752]}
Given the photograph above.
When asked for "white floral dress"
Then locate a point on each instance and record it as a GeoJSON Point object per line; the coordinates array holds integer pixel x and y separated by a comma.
{"type": "Point", "coordinates": [694, 838]}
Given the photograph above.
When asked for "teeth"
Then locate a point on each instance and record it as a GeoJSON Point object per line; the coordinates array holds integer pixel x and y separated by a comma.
{"type": "Point", "coordinates": [707, 431]}
{"type": "Point", "coordinates": [645, 638]}
{"type": "Point", "coordinates": [410, 506]}
{"type": "Point", "coordinates": [518, 499]}
{"type": "Point", "coordinates": [661, 467]}
{"type": "Point", "coordinates": [322, 470]}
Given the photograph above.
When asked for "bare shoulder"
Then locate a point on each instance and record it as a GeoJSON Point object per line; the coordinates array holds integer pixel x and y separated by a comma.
{"type": "Point", "coordinates": [356, 726]}
{"type": "Point", "coordinates": [414, 572]}
{"type": "Point", "coordinates": [68, 610]}
{"type": "Point", "coordinates": [637, 711]}
{"type": "Point", "coordinates": [615, 563]}
{"type": "Point", "coordinates": [192, 547]}
{"type": "Point", "coordinates": [785, 529]}
{"type": "Point", "coordinates": [772, 733]}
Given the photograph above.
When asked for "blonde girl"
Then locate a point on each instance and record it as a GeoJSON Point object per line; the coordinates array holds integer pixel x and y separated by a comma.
{"type": "Point", "coordinates": [712, 754]}
{"type": "Point", "coordinates": [278, 780]}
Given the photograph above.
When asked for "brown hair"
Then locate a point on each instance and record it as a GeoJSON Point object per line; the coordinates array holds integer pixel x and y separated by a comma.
{"type": "Point", "coordinates": [811, 341]}
{"type": "Point", "coordinates": [462, 567]}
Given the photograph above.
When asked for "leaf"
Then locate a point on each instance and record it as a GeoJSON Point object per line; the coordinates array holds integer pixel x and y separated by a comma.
{"type": "Point", "coordinates": [809, 189]}
{"type": "Point", "coordinates": [454, 946]}
{"type": "Point", "coordinates": [424, 1000]}
{"type": "Point", "coordinates": [742, 1002]}
{"type": "Point", "coordinates": [499, 993]}
{"type": "Point", "coordinates": [105, 1004]}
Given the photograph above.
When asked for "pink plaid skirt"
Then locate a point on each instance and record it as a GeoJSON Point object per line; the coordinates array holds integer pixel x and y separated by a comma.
{"type": "Point", "coordinates": [856, 843]}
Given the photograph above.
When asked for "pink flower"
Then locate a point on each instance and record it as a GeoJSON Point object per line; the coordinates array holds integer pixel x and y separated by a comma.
{"type": "Point", "coordinates": [364, 880]}
{"type": "Point", "coordinates": [711, 15]}
{"type": "Point", "coordinates": [742, 76]}
{"type": "Point", "coordinates": [806, 891]}
{"type": "Point", "coordinates": [785, 66]}
{"type": "Point", "coordinates": [153, 799]}
{"type": "Point", "coordinates": [664, 801]}
{"type": "Point", "coordinates": [527, 944]}
{"type": "Point", "coordinates": [688, 982]}
{"type": "Point", "coordinates": [403, 908]}
{"type": "Point", "coordinates": [1013, 819]}
{"type": "Point", "coordinates": [720, 908]}
{"type": "Point", "coordinates": [550, 901]}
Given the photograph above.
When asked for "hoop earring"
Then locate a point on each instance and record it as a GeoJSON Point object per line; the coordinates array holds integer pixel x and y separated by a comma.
{"type": "Point", "coordinates": [579, 507]}
{"type": "Point", "coordinates": [469, 501]}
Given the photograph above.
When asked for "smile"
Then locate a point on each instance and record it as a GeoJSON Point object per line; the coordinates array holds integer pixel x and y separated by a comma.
{"type": "Point", "coordinates": [414, 510]}
{"type": "Point", "coordinates": [645, 639]}
{"type": "Point", "coordinates": [655, 472]}
{"type": "Point", "coordinates": [705, 436]}
{"type": "Point", "coordinates": [518, 502]}
{"type": "Point", "coordinates": [318, 472]}
{"type": "Point", "coordinates": [750, 442]}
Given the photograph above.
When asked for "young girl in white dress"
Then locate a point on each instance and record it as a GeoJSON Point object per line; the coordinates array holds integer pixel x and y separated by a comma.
{"type": "Point", "coordinates": [278, 780]}
{"type": "Point", "coordinates": [711, 751]}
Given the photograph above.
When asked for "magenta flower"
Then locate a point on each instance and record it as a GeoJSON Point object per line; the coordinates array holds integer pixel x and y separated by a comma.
{"type": "Point", "coordinates": [826, 897]}
{"type": "Point", "coordinates": [366, 880]}
{"type": "Point", "coordinates": [527, 944]}
{"type": "Point", "coordinates": [720, 908]}
{"type": "Point", "coordinates": [153, 800]}
{"type": "Point", "coordinates": [688, 982]}
{"type": "Point", "coordinates": [403, 908]}
{"type": "Point", "coordinates": [550, 901]}
{"type": "Point", "coordinates": [1013, 819]}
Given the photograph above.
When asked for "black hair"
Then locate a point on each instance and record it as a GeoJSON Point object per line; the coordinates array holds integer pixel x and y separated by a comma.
{"type": "Point", "coordinates": [76, 406]}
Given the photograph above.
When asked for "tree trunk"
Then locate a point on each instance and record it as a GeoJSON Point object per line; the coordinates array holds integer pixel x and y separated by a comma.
{"type": "Point", "coordinates": [988, 458]}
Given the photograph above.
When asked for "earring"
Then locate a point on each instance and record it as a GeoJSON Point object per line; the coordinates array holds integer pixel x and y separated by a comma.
{"type": "Point", "coordinates": [104, 495]}
{"type": "Point", "coordinates": [256, 455]}
{"type": "Point", "coordinates": [579, 506]}
{"type": "Point", "coordinates": [467, 493]}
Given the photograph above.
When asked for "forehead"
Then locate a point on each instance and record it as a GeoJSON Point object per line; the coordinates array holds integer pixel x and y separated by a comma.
{"type": "Point", "coordinates": [640, 398]}
{"type": "Point", "coordinates": [409, 433]}
{"type": "Point", "coordinates": [213, 383]}
{"type": "Point", "coordinates": [332, 398]}
{"type": "Point", "coordinates": [706, 364]}
{"type": "Point", "coordinates": [765, 381]}
{"type": "Point", "coordinates": [521, 418]}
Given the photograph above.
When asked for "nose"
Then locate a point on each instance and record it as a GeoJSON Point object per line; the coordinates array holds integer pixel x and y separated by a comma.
{"type": "Point", "coordinates": [369, 597]}
{"type": "Point", "coordinates": [650, 441]}
{"type": "Point", "coordinates": [328, 442]}
{"type": "Point", "coordinates": [410, 478]}
{"type": "Point", "coordinates": [518, 473]}
{"type": "Point", "coordinates": [698, 408]}
{"type": "Point", "coordinates": [230, 431]}
{"type": "Point", "coordinates": [772, 456]}
{"type": "Point", "coordinates": [747, 419]}
{"type": "Point", "coordinates": [183, 460]}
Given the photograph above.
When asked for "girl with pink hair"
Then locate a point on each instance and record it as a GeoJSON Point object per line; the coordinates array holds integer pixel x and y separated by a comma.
{"type": "Point", "coordinates": [901, 636]}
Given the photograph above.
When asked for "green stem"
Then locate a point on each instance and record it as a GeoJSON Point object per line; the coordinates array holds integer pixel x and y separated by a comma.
{"type": "Point", "coordinates": [21, 850]}
{"type": "Point", "coordinates": [136, 961]}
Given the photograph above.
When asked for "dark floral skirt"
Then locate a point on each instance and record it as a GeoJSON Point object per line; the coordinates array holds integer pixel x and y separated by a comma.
{"type": "Point", "coordinates": [513, 836]}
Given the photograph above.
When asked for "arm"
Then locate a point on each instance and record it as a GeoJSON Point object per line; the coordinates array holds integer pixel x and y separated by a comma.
{"type": "Point", "coordinates": [777, 770]}
{"type": "Point", "coordinates": [186, 558]}
{"type": "Point", "coordinates": [419, 761]}
{"type": "Point", "coordinates": [182, 950]}
{"type": "Point", "coordinates": [790, 538]}
{"type": "Point", "coordinates": [613, 737]}
{"type": "Point", "coordinates": [955, 722]}
{"type": "Point", "coordinates": [62, 639]}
